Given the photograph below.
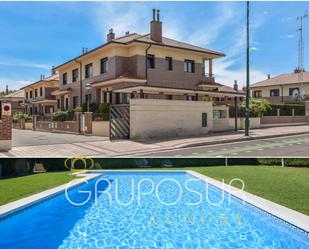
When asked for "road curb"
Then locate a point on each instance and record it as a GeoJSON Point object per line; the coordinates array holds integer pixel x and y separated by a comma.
{"type": "Point", "coordinates": [237, 140]}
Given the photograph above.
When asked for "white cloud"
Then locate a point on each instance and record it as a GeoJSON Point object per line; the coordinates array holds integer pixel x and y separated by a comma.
{"type": "Point", "coordinates": [227, 76]}
{"type": "Point", "coordinates": [22, 63]}
{"type": "Point", "coordinates": [13, 84]}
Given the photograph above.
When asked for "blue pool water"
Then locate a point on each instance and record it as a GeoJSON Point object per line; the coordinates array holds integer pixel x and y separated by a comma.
{"type": "Point", "coordinates": [146, 222]}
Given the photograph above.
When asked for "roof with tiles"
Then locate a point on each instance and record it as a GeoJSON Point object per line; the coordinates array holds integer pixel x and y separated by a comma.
{"type": "Point", "coordinates": [283, 79]}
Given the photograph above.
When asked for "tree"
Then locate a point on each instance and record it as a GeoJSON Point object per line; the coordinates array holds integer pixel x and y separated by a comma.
{"type": "Point", "coordinates": [258, 106]}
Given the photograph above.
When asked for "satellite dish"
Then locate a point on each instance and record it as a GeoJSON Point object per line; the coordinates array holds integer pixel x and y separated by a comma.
{"type": "Point", "coordinates": [295, 93]}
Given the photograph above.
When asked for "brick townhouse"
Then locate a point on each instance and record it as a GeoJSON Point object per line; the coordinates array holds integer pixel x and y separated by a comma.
{"type": "Point", "coordinates": [38, 97]}
{"type": "Point", "coordinates": [141, 66]}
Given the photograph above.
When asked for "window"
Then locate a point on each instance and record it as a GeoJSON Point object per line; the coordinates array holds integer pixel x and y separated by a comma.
{"type": "Point", "coordinates": [219, 114]}
{"type": "Point", "coordinates": [189, 66]}
{"type": "Point", "coordinates": [168, 63]}
{"type": "Point", "coordinates": [274, 92]}
{"type": "Point", "coordinates": [106, 97]}
{"type": "Point", "coordinates": [75, 101]}
{"type": "Point", "coordinates": [104, 65]}
{"type": "Point", "coordinates": [257, 94]}
{"type": "Point", "coordinates": [35, 93]}
{"type": "Point", "coordinates": [30, 94]}
{"type": "Point", "coordinates": [204, 119]}
{"type": "Point", "coordinates": [88, 71]}
{"type": "Point", "coordinates": [58, 103]}
{"type": "Point", "coordinates": [150, 61]}
{"type": "Point", "coordinates": [293, 91]}
{"type": "Point", "coordinates": [67, 103]}
{"type": "Point", "coordinates": [41, 91]}
{"type": "Point", "coordinates": [49, 109]}
{"type": "Point", "coordinates": [191, 98]}
{"type": "Point", "coordinates": [27, 95]}
{"type": "Point", "coordinates": [64, 78]}
{"type": "Point", "coordinates": [74, 75]}
{"type": "Point", "coordinates": [169, 97]}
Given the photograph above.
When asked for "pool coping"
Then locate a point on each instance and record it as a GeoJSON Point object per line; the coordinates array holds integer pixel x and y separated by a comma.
{"type": "Point", "coordinates": [288, 215]}
{"type": "Point", "coordinates": [15, 206]}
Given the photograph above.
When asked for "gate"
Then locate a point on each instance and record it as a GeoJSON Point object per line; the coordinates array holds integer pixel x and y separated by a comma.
{"type": "Point", "coordinates": [119, 122]}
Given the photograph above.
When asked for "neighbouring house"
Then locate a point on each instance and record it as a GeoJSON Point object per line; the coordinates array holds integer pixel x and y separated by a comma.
{"type": "Point", "coordinates": [16, 98]}
{"type": "Point", "coordinates": [38, 97]}
{"type": "Point", "coordinates": [283, 88]}
{"type": "Point", "coordinates": [148, 66]}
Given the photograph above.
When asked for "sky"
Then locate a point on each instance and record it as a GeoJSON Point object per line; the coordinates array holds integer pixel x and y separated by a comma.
{"type": "Point", "coordinates": [37, 35]}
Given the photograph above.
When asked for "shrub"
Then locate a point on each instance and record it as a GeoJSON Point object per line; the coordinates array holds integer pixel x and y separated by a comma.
{"type": "Point", "coordinates": [258, 106]}
{"type": "Point", "coordinates": [78, 109]}
{"type": "Point", "coordinates": [286, 109]}
{"type": "Point", "coordinates": [18, 116]}
{"type": "Point", "coordinates": [291, 162]}
{"type": "Point", "coordinates": [60, 116]}
{"type": "Point", "coordinates": [104, 107]}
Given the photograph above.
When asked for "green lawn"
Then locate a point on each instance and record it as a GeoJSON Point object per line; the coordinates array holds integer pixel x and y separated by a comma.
{"type": "Point", "coordinates": [286, 186]}
{"type": "Point", "coordinates": [12, 189]}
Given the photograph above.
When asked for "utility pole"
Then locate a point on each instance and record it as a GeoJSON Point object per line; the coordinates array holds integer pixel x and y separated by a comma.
{"type": "Point", "coordinates": [247, 124]}
{"type": "Point", "coordinates": [301, 53]}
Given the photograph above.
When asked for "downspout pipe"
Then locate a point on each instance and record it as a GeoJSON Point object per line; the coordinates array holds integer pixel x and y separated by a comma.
{"type": "Point", "coordinates": [81, 82]}
{"type": "Point", "coordinates": [146, 68]}
{"type": "Point", "coordinates": [81, 89]}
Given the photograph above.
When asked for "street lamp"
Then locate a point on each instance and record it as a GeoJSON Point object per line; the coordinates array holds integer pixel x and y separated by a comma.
{"type": "Point", "coordinates": [88, 87]}
{"type": "Point", "coordinates": [247, 76]}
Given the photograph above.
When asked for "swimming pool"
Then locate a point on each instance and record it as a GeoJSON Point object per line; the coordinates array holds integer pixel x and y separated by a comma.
{"type": "Point", "coordinates": [161, 213]}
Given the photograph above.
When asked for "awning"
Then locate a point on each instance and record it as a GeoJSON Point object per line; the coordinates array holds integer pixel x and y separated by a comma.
{"type": "Point", "coordinates": [175, 91]}
{"type": "Point", "coordinates": [61, 92]}
{"type": "Point", "coordinates": [118, 81]}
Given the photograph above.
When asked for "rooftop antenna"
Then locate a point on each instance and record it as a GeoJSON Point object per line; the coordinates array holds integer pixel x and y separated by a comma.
{"type": "Point", "coordinates": [300, 68]}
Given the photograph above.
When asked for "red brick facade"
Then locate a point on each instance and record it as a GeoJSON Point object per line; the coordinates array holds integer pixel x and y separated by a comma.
{"type": "Point", "coordinates": [5, 132]}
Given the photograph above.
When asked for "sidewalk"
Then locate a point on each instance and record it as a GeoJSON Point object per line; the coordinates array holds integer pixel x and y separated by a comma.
{"type": "Point", "coordinates": [106, 148]}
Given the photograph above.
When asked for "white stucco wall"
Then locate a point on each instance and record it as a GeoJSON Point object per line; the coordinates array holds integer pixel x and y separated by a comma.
{"type": "Point", "coordinates": [100, 128]}
{"type": "Point", "coordinates": [150, 118]}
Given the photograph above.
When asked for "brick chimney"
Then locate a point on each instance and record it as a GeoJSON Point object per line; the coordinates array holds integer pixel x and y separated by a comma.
{"type": "Point", "coordinates": [268, 76]}
{"type": "Point", "coordinates": [53, 70]}
{"type": "Point", "coordinates": [156, 26]}
{"type": "Point", "coordinates": [235, 85]}
{"type": "Point", "coordinates": [7, 90]}
{"type": "Point", "coordinates": [110, 35]}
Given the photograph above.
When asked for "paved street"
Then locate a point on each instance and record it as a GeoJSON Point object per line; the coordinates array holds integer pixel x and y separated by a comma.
{"type": "Point", "coordinates": [274, 147]}
{"type": "Point", "coordinates": [28, 143]}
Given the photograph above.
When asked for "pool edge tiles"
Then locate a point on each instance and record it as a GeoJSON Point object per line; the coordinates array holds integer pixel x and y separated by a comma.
{"type": "Point", "coordinates": [296, 219]}
{"type": "Point", "coordinates": [14, 207]}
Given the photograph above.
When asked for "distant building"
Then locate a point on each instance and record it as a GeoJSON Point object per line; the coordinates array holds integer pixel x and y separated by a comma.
{"type": "Point", "coordinates": [16, 99]}
{"type": "Point", "coordinates": [282, 88]}
{"type": "Point", "coordinates": [38, 97]}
